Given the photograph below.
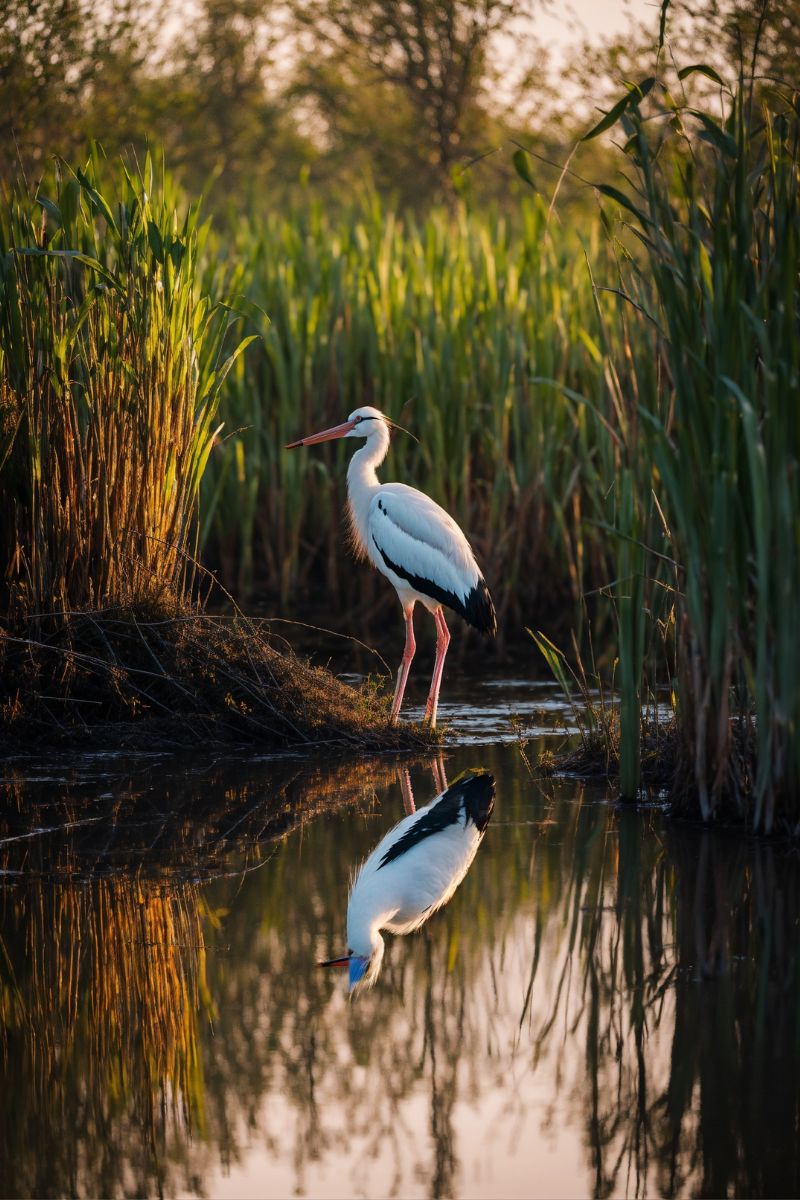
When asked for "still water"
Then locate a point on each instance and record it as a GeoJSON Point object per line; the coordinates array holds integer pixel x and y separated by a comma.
{"type": "Point", "coordinates": [609, 1005]}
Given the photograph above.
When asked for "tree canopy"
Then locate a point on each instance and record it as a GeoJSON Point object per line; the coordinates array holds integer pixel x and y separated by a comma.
{"type": "Point", "coordinates": [250, 95]}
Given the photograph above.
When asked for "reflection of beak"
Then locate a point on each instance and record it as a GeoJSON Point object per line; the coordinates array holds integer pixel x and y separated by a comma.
{"type": "Point", "coordinates": [358, 966]}
{"type": "Point", "coordinates": [335, 962]}
{"type": "Point", "coordinates": [327, 435]}
{"type": "Point", "coordinates": [358, 969]}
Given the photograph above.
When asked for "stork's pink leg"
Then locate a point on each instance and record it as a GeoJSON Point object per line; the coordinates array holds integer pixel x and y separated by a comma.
{"type": "Point", "coordinates": [405, 665]}
{"type": "Point", "coordinates": [442, 642]}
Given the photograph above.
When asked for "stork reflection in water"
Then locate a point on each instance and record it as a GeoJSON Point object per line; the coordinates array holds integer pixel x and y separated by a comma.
{"type": "Point", "coordinates": [413, 542]}
{"type": "Point", "coordinates": [413, 871]}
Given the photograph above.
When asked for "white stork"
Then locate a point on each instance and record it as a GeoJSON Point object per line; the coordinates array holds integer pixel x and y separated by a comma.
{"type": "Point", "coordinates": [413, 871]}
{"type": "Point", "coordinates": [413, 542]}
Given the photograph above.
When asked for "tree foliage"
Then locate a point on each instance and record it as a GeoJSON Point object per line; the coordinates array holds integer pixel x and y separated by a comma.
{"type": "Point", "coordinates": [407, 92]}
{"type": "Point", "coordinates": [432, 56]}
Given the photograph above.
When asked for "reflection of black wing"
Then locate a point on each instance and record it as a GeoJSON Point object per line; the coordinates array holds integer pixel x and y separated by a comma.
{"type": "Point", "coordinates": [472, 795]}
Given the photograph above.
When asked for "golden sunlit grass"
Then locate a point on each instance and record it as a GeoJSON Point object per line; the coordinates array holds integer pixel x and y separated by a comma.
{"type": "Point", "coordinates": [111, 361]}
{"type": "Point", "coordinates": [465, 326]}
{"type": "Point", "coordinates": [112, 356]}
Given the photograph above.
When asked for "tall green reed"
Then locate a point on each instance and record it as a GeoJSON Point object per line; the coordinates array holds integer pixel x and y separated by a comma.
{"type": "Point", "coordinates": [622, 510]}
{"type": "Point", "coordinates": [456, 325]}
{"type": "Point", "coordinates": [718, 219]}
{"type": "Point", "coordinates": [111, 361]}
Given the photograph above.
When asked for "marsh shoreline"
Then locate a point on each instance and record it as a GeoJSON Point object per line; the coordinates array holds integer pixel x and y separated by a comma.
{"type": "Point", "coordinates": [177, 678]}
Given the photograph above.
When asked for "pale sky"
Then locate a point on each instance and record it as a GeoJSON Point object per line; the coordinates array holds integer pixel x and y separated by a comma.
{"type": "Point", "coordinates": [565, 23]}
{"type": "Point", "coordinates": [559, 26]}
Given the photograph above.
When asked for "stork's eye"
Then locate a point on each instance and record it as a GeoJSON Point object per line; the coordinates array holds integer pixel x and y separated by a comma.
{"type": "Point", "coordinates": [357, 420]}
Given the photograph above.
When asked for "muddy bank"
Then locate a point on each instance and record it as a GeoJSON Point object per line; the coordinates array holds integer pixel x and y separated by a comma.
{"type": "Point", "coordinates": [128, 679]}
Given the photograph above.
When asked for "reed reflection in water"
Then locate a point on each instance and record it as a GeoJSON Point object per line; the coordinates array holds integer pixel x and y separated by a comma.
{"type": "Point", "coordinates": [608, 1005]}
{"type": "Point", "coordinates": [102, 988]}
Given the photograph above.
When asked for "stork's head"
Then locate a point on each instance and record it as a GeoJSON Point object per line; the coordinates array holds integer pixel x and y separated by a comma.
{"type": "Point", "coordinates": [363, 968]}
{"type": "Point", "coordinates": [365, 422]}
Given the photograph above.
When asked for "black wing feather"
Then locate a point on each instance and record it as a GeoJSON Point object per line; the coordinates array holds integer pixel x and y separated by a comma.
{"type": "Point", "coordinates": [472, 794]}
{"type": "Point", "coordinates": [476, 607]}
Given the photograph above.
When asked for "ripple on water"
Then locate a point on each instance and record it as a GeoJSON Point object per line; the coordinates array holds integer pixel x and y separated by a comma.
{"type": "Point", "coordinates": [497, 718]}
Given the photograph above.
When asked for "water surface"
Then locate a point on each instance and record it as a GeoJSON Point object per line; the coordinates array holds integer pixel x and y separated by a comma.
{"type": "Point", "coordinates": [609, 1005]}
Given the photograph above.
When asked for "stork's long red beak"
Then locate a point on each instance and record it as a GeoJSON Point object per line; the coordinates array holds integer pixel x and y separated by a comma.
{"type": "Point", "coordinates": [327, 435]}
{"type": "Point", "coordinates": [334, 962]}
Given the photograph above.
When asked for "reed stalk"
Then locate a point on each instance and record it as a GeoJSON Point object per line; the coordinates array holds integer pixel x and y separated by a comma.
{"type": "Point", "coordinates": [718, 219]}
{"type": "Point", "coordinates": [111, 361]}
{"type": "Point", "coordinates": [463, 326]}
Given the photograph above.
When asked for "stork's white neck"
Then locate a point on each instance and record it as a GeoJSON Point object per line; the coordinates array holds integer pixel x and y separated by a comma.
{"type": "Point", "coordinates": [364, 933]}
{"type": "Point", "coordinates": [362, 481]}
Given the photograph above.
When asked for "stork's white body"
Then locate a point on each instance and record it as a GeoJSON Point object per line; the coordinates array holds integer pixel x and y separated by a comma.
{"type": "Point", "coordinates": [415, 869]}
{"type": "Point", "coordinates": [392, 523]}
{"type": "Point", "coordinates": [411, 540]}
